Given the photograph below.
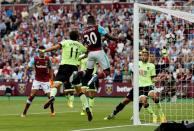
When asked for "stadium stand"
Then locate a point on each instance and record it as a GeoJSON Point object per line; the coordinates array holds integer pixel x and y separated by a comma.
{"type": "Point", "coordinates": [24, 27]}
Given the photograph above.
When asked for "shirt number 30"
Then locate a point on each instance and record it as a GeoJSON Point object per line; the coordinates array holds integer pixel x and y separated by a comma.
{"type": "Point", "coordinates": [91, 38]}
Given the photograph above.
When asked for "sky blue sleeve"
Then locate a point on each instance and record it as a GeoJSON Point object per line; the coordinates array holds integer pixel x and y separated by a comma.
{"type": "Point", "coordinates": [101, 30]}
{"type": "Point", "coordinates": [31, 63]}
{"type": "Point", "coordinates": [49, 64]}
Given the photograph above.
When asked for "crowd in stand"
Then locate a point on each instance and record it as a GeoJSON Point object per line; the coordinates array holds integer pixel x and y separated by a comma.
{"type": "Point", "coordinates": [46, 1]}
{"type": "Point", "coordinates": [170, 39]}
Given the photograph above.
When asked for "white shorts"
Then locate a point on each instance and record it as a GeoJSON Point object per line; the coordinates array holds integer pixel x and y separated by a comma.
{"type": "Point", "coordinates": [45, 86]}
{"type": "Point", "coordinates": [98, 57]}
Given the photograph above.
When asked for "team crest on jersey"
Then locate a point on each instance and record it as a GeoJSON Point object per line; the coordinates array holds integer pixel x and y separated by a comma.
{"type": "Point", "coordinates": [21, 88]}
{"type": "Point", "coordinates": [109, 89]}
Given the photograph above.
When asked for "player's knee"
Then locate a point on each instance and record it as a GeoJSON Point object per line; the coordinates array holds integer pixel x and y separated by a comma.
{"type": "Point", "coordinates": [31, 97]}
{"type": "Point", "coordinates": [142, 99]}
{"type": "Point", "coordinates": [78, 90]}
{"type": "Point", "coordinates": [126, 101]}
{"type": "Point", "coordinates": [83, 90]}
{"type": "Point", "coordinates": [57, 84]}
{"type": "Point", "coordinates": [28, 101]}
{"type": "Point", "coordinates": [152, 93]}
{"type": "Point", "coordinates": [154, 96]}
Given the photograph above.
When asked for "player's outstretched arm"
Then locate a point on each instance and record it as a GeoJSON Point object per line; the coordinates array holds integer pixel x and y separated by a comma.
{"type": "Point", "coordinates": [111, 37]}
{"type": "Point", "coordinates": [103, 32]}
{"type": "Point", "coordinates": [55, 47]}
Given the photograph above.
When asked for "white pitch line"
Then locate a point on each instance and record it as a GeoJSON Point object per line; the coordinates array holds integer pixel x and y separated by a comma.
{"type": "Point", "coordinates": [108, 127]}
{"type": "Point", "coordinates": [37, 113]}
{"type": "Point", "coordinates": [150, 124]}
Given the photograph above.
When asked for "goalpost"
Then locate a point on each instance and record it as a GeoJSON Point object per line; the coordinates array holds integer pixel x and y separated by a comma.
{"type": "Point", "coordinates": [174, 109]}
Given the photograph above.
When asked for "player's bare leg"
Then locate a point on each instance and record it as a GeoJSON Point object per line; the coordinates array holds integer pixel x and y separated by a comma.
{"type": "Point", "coordinates": [28, 103]}
{"type": "Point", "coordinates": [52, 94]}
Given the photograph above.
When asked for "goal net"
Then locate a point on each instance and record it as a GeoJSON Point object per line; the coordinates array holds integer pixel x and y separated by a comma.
{"type": "Point", "coordinates": [168, 35]}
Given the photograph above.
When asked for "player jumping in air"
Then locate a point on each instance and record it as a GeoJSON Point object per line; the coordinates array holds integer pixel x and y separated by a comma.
{"type": "Point", "coordinates": [92, 38]}
{"type": "Point", "coordinates": [71, 49]}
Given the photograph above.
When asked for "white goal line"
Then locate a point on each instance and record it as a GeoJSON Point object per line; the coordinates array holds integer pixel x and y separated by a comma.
{"type": "Point", "coordinates": [110, 127]}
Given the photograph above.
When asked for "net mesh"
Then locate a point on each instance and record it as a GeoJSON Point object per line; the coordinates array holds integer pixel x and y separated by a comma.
{"type": "Point", "coordinates": [169, 37]}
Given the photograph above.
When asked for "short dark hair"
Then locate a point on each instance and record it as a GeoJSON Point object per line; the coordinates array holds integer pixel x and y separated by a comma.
{"type": "Point", "coordinates": [41, 47]}
{"type": "Point", "coordinates": [145, 51]}
{"type": "Point", "coordinates": [91, 20]}
{"type": "Point", "coordinates": [74, 35]}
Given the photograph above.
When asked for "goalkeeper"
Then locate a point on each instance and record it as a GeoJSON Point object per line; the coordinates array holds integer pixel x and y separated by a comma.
{"type": "Point", "coordinates": [147, 72]}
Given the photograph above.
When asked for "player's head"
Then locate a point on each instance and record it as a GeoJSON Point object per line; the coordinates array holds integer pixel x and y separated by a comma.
{"type": "Point", "coordinates": [41, 48]}
{"type": "Point", "coordinates": [152, 57]}
{"type": "Point", "coordinates": [145, 55]}
{"type": "Point", "coordinates": [91, 20]}
{"type": "Point", "coordinates": [74, 35]}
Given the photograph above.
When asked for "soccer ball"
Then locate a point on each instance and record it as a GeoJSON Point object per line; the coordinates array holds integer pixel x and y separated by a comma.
{"type": "Point", "coordinates": [170, 35]}
{"type": "Point", "coordinates": [170, 38]}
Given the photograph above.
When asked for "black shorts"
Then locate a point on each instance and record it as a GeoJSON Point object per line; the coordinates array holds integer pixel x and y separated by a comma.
{"type": "Point", "coordinates": [63, 74]}
{"type": "Point", "coordinates": [142, 91]}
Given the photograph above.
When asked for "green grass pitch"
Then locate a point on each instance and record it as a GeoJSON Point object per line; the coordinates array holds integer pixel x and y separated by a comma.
{"type": "Point", "coordinates": [66, 119]}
